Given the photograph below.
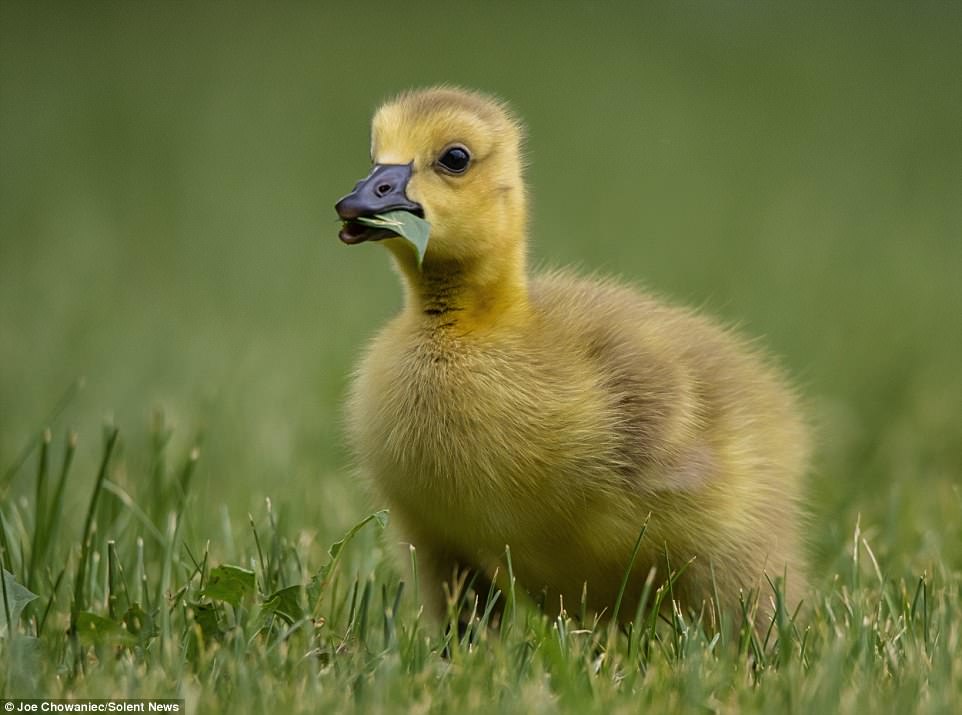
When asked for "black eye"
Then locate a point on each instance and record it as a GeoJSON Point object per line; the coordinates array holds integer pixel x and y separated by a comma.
{"type": "Point", "coordinates": [455, 160]}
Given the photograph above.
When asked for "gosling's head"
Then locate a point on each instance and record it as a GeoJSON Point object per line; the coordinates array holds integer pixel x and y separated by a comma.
{"type": "Point", "coordinates": [452, 157]}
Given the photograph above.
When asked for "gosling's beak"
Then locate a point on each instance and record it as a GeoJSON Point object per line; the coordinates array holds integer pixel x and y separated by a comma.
{"type": "Point", "coordinates": [380, 191]}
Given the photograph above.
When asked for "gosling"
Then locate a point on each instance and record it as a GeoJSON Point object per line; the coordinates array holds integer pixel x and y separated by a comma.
{"type": "Point", "coordinates": [553, 414]}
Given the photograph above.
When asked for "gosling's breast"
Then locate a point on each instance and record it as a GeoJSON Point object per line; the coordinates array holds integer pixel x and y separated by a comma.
{"type": "Point", "coordinates": [492, 429]}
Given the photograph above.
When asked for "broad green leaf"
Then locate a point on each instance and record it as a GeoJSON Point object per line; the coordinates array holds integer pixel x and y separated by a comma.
{"type": "Point", "coordinates": [140, 623]}
{"type": "Point", "coordinates": [17, 599]}
{"type": "Point", "coordinates": [334, 551]}
{"type": "Point", "coordinates": [93, 630]}
{"type": "Point", "coordinates": [229, 583]}
{"type": "Point", "coordinates": [205, 615]}
{"type": "Point", "coordinates": [285, 603]}
{"type": "Point", "coordinates": [405, 224]}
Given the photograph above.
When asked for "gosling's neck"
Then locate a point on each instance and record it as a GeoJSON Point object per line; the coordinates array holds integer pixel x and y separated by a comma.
{"type": "Point", "coordinates": [468, 295]}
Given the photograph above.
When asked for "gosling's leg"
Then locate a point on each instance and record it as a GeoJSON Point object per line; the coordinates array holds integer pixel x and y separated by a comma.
{"type": "Point", "coordinates": [449, 585]}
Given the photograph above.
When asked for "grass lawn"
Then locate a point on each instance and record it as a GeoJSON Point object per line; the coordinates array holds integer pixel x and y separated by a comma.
{"type": "Point", "coordinates": [179, 516]}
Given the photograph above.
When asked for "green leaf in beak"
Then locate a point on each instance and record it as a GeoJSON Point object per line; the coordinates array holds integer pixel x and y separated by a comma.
{"type": "Point", "coordinates": [406, 225]}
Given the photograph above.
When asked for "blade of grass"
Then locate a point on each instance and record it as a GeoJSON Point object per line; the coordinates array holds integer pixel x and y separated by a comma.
{"type": "Point", "coordinates": [638, 623]}
{"type": "Point", "coordinates": [6, 598]}
{"type": "Point", "coordinates": [78, 600]}
{"type": "Point", "coordinates": [40, 507]}
{"type": "Point", "coordinates": [717, 610]}
{"type": "Point", "coordinates": [260, 555]}
{"type": "Point", "coordinates": [50, 601]}
{"type": "Point", "coordinates": [508, 623]}
{"type": "Point", "coordinates": [116, 582]}
{"type": "Point", "coordinates": [629, 568]}
{"type": "Point", "coordinates": [4, 540]}
{"type": "Point", "coordinates": [140, 577]}
{"type": "Point", "coordinates": [56, 505]}
{"type": "Point", "coordinates": [363, 610]}
{"type": "Point", "coordinates": [414, 574]}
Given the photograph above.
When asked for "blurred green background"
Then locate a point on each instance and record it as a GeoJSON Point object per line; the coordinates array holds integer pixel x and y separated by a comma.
{"type": "Point", "coordinates": [167, 176]}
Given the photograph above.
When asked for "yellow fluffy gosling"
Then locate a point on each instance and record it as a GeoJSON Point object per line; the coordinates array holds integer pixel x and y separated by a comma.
{"type": "Point", "coordinates": [554, 413]}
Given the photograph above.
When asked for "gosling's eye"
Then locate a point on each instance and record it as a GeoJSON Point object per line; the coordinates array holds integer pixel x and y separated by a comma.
{"type": "Point", "coordinates": [455, 160]}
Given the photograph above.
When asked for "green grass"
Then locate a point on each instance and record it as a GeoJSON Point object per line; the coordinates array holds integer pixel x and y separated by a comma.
{"type": "Point", "coordinates": [267, 620]}
{"type": "Point", "coordinates": [167, 239]}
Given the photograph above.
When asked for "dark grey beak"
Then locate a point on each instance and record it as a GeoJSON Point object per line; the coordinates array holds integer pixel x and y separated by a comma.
{"type": "Point", "coordinates": [380, 191]}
